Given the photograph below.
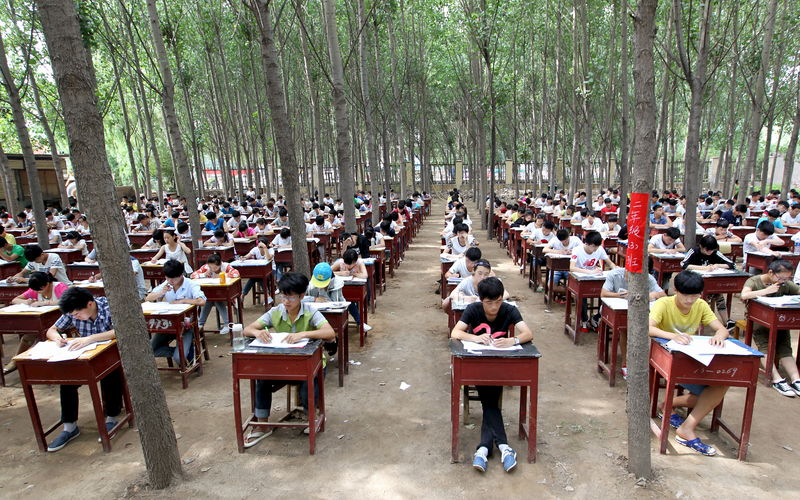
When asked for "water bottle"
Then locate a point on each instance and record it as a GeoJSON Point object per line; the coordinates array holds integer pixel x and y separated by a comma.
{"type": "Point", "coordinates": [222, 277]}
{"type": "Point", "coordinates": [239, 341]}
{"type": "Point", "coordinates": [796, 246]}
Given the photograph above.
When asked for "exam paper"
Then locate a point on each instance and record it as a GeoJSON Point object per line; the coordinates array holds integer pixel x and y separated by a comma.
{"type": "Point", "coordinates": [278, 342]}
{"type": "Point", "coordinates": [251, 262]}
{"type": "Point", "coordinates": [207, 281]}
{"type": "Point", "coordinates": [163, 307]}
{"type": "Point", "coordinates": [50, 351]}
{"type": "Point", "coordinates": [786, 300]}
{"type": "Point", "coordinates": [474, 346]}
{"type": "Point", "coordinates": [16, 308]}
{"type": "Point", "coordinates": [324, 306]}
{"type": "Point", "coordinates": [702, 351]}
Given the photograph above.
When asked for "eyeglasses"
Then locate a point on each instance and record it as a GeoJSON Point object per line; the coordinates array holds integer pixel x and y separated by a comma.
{"type": "Point", "coordinates": [290, 298]}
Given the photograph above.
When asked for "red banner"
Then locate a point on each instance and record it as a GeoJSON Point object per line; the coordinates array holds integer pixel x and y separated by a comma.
{"type": "Point", "coordinates": [637, 226]}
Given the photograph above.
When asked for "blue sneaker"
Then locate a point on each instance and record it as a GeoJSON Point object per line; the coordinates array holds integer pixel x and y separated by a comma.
{"type": "Point", "coordinates": [509, 458]}
{"type": "Point", "coordinates": [109, 427]}
{"type": "Point", "coordinates": [479, 462]}
{"type": "Point", "coordinates": [62, 439]}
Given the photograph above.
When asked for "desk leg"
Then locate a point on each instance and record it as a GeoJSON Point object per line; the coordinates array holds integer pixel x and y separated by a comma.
{"type": "Point", "coordinates": [612, 375]}
{"type": "Point", "coordinates": [342, 361]}
{"type": "Point", "coordinates": [548, 290]}
{"type": "Point", "coordinates": [99, 416]}
{"type": "Point", "coordinates": [36, 420]}
{"type": "Point", "coordinates": [182, 362]}
{"type": "Point", "coordinates": [533, 408]}
{"type": "Point", "coordinates": [455, 401]}
{"type": "Point", "coordinates": [523, 413]}
{"type": "Point", "coordinates": [747, 419]}
{"type": "Point", "coordinates": [323, 416]}
{"type": "Point", "coordinates": [578, 315]}
{"type": "Point", "coordinates": [664, 434]}
{"type": "Point", "coordinates": [769, 361]}
{"type": "Point", "coordinates": [237, 415]}
{"type": "Point", "coordinates": [312, 414]}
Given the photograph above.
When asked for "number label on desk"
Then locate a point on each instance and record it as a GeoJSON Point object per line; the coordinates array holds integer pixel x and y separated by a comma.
{"type": "Point", "coordinates": [788, 318]}
{"type": "Point", "coordinates": [730, 372]}
{"type": "Point", "coordinates": [158, 324]}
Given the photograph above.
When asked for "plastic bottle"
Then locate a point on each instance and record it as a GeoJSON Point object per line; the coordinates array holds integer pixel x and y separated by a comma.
{"type": "Point", "coordinates": [222, 277]}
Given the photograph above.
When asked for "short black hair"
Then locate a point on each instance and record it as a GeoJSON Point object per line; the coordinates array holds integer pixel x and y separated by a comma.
{"type": "Point", "coordinates": [282, 212]}
{"type": "Point", "coordinates": [320, 220]}
{"type": "Point", "coordinates": [75, 298]}
{"type": "Point", "coordinates": [460, 227]}
{"type": "Point", "coordinates": [724, 223]}
{"type": "Point", "coordinates": [708, 242]}
{"type": "Point", "coordinates": [219, 233]}
{"type": "Point", "coordinates": [214, 258]}
{"type": "Point", "coordinates": [562, 234]}
{"type": "Point", "coordinates": [285, 232]}
{"type": "Point", "coordinates": [765, 227]}
{"type": "Point", "coordinates": [483, 263]}
{"type": "Point", "coordinates": [673, 232]}
{"type": "Point", "coordinates": [473, 254]}
{"type": "Point", "coordinates": [773, 213]}
{"type": "Point", "coordinates": [211, 215]}
{"type": "Point", "coordinates": [32, 252]}
{"type": "Point", "coordinates": [173, 268]}
{"type": "Point", "coordinates": [39, 280]}
{"type": "Point", "coordinates": [491, 288]}
{"type": "Point", "coordinates": [350, 255]}
{"type": "Point", "coordinates": [182, 227]}
{"type": "Point", "coordinates": [175, 214]}
{"type": "Point", "coordinates": [779, 265]}
{"type": "Point", "coordinates": [593, 238]}
{"type": "Point", "coordinates": [689, 283]}
{"type": "Point", "coordinates": [548, 224]}
{"type": "Point", "coordinates": [293, 283]}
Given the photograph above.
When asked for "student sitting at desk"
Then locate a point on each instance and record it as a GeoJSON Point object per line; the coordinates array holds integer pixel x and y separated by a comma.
{"type": "Point", "coordinates": [262, 227]}
{"type": "Point", "coordinates": [706, 257]}
{"type": "Point", "coordinates": [760, 241]}
{"type": "Point", "coordinates": [462, 240]}
{"type": "Point", "coordinates": [721, 232]}
{"type": "Point", "coordinates": [244, 231]}
{"type": "Point", "coordinates": [487, 322]}
{"type": "Point", "coordinates": [590, 222]}
{"type": "Point", "coordinates": [351, 265]}
{"type": "Point", "coordinates": [155, 241]}
{"type": "Point", "coordinates": [589, 259]}
{"type": "Point", "coordinates": [138, 273]}
{"type": "Point", "coordinates": [220, 239]}
{"type": "Point", "coordinates": [91, 317]}
{"type": "Point", "coordinates": [176, 290]}
{"type": "Point", "coordinates": [667, 242]}
{"type": "Point", "coordinates": [7, 236]}
{"type": "Point", "coordinates": [610, 227]}
{"type": "Point", "coordinates": [776, 282]}
{"type": "Point", "coordinates": [467, 288]}
{"type": "Point", "coordinates": [11, 252]}
{"type": "Point", "coordinates": [677, 318]}
{"type": "Point", "coordinates": [463, 268]}
{"type": "Point", "coordinates": [43, 290]}
{"type": "Point", "coordinates": [561, 245]}
{"type": "Point", "coordinates": [616, 286]}
{"type": "Point", "coordinates": [214, 223]}
{"type": "Point", "coordinates": [212, 269]}
{"type": "Point", "coordinates": [658, 219]}
{"type": "Point", "coordinates": [74, 240]}
{"type": "Point", "coordinates": [38, 260]}
{"type": "Point", "coordinates": [773, 216]}
{"type": "Point", "coordinates": [174, 249]}
{"type": "Point", "coordinates": [293, 316]}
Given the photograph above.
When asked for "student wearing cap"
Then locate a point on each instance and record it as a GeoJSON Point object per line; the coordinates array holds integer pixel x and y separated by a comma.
{"type": "Point", "coordinates": [324, 286]}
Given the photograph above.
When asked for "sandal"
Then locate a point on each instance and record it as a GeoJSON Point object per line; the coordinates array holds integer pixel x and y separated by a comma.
{"type": "Point", "coordinates": [675, 420]}
{"type": "Point", "coordinates": [697, 446]}
{"type": "Point", "coordinates": [254, 437]}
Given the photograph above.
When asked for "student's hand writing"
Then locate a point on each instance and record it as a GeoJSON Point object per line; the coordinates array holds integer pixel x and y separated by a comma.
{"type": "Point", "coordinates": [682, 338]}
{"type": "Point", "coordinates": [485, 339]}
{"type": "Point", "coordinates": [503, 342]}
{"type": "Point", "coordinates": [717, 340]}
{"type": "Point", "coordinates": [79, 342]}
{"type": "Point", "coordinates": [321, 299]}
{"type": "Point", "coordinates": [294, 337]}
{"type": "Point", "coordinates": [264, 336]}
{"type": "Point", "coordinates": [622, 293]}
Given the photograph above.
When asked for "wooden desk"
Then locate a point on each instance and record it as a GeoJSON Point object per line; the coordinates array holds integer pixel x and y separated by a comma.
{"type": "Point", "coordinates": [369, 264]}
{"type": "Point", "coordinates": [201, 254]}
{"type": "Point", "coordinates": [79, 271]}
{"type": "Point", "coordinates": [727, 284]}
{"type": "Point", "coordinates": [678, 368]}
{"type": "Point", "coordinates": [613, 321]}
{"type": "Point", "coordinates": [153, 272]}
{"type": "Point", "coordinates": [243, 245]}
{"type": "Point", "coordinates": [664, 263]}
{"type": "Point", "coordinates": [379, 256]}
{"type": "Point", "coordinates": [446, 264]}
{"type": "Point", "coordinates": [92, 367]}
{"type": "Point", "coordinates": [9, 269]}
{"type": "Point", "coordinates": [230, 293]}
{"type": "Point", "coordinates": [582, 286]}
{"type": "Point", "coordinates": [97, 288]}
{"type": "Point", "coordinates": [291, 365]}
{"type": "Point", "coordinates": [68, 255]}
{"type": "Point", "coordinates": [761, 261]}
{"type": "Point", "coordinates": [752, 220]}
{"type": "Point", "coordinates": [144, 254]}
{"type": "Point", "coordinates": [451, 285]}
{"type": "Point", "coordinates": [259, 269]}
{"type": "Point", "coordinates": [26, 323]}
{"type": "Point", "coordinates": [338, 318]}
{"type": "Point", "coordinates": [554, 262]}
{"type": "Point", "coordinates": [174, 323]}
{"type": "Point", "coordinates": [774, 317]}
{"type": "Point", "coordinates": [355, 290]}
{"type": "Point", "coordinates": [536, 252]}
{"type": "Point", "coordinates": [9, 291]}
{"type": "Point", "coordinates": [493, 368]}
{"type": "Point", "coordinates": [741, 231]}
{"type": "Point", "coordinates": [622, 252]}
{"type": "Point", "coordinates": [139, 239]}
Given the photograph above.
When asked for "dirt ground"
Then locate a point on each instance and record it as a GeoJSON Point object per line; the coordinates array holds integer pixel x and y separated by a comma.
{"type": "Point", "coordinates": [384, 442]}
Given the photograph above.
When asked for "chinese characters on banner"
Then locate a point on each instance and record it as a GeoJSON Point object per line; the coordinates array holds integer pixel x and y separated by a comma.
{"type": "Point", "coordinates": [637, 224]}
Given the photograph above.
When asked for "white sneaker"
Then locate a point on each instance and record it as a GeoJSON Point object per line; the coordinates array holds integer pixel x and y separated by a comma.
{"type": "Point", "coordinates": [225, 331]}
{"type": "Point", "coordinates": [367, 327]}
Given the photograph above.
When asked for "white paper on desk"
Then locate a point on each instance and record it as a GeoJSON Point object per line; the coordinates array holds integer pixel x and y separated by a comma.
{"type": "Point", "coordinates": [474, 346]}
{"type": "Point", "coordinates": [785, 300]}
{"type": "Point", "coordinates": [242, 240]}
{"type": "Point", "coordinates": [702, 351]}
{"type": "Point", "coordinates": [323, 306]}
{"type": "Point", "coordinates": [719, 271]}
{"type": "Point", "coordinates": [87, 283]}
{"type": "Point", "coordinates": [616, 303]}
{"type": "Point", "coordinates": [163, 307]}
{"type": "Point", "coordinates": [16, 308]}
{"type": "Point", "coordinates": [207, 281]}
{"type": "Point", "coordinates": [278, 342]}
{"type": "Point", "coordinates": [159, 262]}
{"type": "Point", "coordinates": [251, 262]}
{"type": "Point", "coordinates": [64, 354]}
{"type": "Point", "coordinates": [43, 350]}
{"type": "Point", "coordinates": [353, 279]}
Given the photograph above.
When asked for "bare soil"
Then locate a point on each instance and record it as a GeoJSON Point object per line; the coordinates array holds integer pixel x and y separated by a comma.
{"type": "Point", "coordinates": [384, 442]}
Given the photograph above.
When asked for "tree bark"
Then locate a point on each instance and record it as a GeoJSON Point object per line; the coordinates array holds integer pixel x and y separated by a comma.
{"type": "Point", "coordinates": [757, 102]}
{"type": "Point", "coordinates": [74, 76]}
{"type": "Point", "coordinates": [9, 183]}
{"type": "Point", "coordinates": [28, 158]}
{"type": "Point", "coordinates": [644, 164]}
{"type": "Point", "coordinates": [184, 175]}
{"type": "Point", "coordinates": [282, 129]}
{"type": "Point", "coordinates": [343, 157]}
{"type": "Point", "coordinates": [788, 159]}
{"type": "Point", "coordinates": [369, 124]}
{"type": "Point", "coordinates": [624, 68]}
{"type": "Point", "coordinates": [51, 140]}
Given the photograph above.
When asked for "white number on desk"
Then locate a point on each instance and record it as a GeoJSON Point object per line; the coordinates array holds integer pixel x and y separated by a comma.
{"type": "Point", "coordinates": [158, 324]}
{"type": "Point", "coordinates": [731, 372]}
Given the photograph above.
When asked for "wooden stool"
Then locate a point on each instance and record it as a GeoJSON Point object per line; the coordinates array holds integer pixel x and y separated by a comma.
{"type": "Point", "coordinates": [741, 326]}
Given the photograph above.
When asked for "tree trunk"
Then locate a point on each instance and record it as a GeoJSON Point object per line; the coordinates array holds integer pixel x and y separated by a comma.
{"type": "Point", "coordinates": [282, 129]}
{"type": "Point", "coordinates": [788, 159]}
{"type": "Point", "coordinates": [343, 157]}
{"type": "Point", "coordinates": [757, 101]}
{"type": "Point", "coordinates": [74, 76]}
{"type": "Point", "coordinates": [126, 132]}
{"type": "Point", "coordinates": [183, 176]}
{"type": "Point", "coordinates": [51, 140]}
{"type": "Point", "coordinates": [28, 158]}
{"type": "Point", "coordinates": [624, 68]}
{"type": "Point", "coordinates": [369, 124]}
{"type": "Point", "coordinates": [644, 164]}
{"type": "Point", "coordinates": [9, 183]}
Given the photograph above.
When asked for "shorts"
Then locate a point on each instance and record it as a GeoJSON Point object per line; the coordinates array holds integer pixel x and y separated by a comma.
{"type": "Point", "coordinates": [719, 299]}
{"type": "Point", "coordinates": [783, 341]}
{"type": "Point", "coordinates": [695, 389]}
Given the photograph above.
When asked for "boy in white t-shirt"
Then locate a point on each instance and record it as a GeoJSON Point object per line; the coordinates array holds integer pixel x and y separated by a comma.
{"type": "Point", "coordinates": [562, 244]}
{"type": "Point", "coordinates": [589, 259]}
{"type": "Point", "coordinates": [590, 222]}
{"type": "Point", "coordinates": [760, 241]}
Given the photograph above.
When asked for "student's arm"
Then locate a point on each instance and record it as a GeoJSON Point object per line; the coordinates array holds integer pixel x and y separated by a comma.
{"type": "Point", "coordinates": [655, 295]}
{"type": "Point", "coordinates": [522, 332]}
{"type": "Point", "coordinates": [258, 330]}
{"type": "Point", "coordinates": [184, 247]}
{"type": "Point", "coordinates": [324, 332]}
{"type": "Point", "coordinates": [748, 293]}
{"type": "Point", "coordinates": [158, 255]}
{"type": "Point", "coordinates": [651, 249]}
{"type": "Point", "coordinates": [9, 258]}
{"type": "Point", "coordinates": [460, 333]}
{"type": "Point", "coordinates": [655, 331]}
{"type": "Point", "coordinates": [361, 271]}
{"type": "Point", "coordinates": [720, 333]}
{"type": "Point", "coordinates": [610, 294]}
{"type": "Point", "coordinates": [21, 299]}
{"type": "Point", "coordinates": [609, 265]}
{"type": "Point", "coordinates": [679, 247]}
{"type": "Point", "coordinates": [158, 292]}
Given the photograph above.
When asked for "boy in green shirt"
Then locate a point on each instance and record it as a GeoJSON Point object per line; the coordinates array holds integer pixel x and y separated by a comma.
{"type": "Point", "coordinates": [776, 282]}
{"type": "Point", "coordinates": [677, 318]}
{"type": "Point", "coordinates": [290, 315]}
